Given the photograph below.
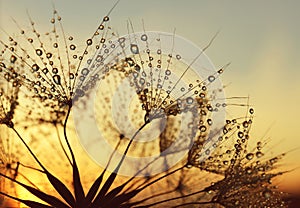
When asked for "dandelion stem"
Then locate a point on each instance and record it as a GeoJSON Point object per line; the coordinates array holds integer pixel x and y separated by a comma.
{"type": "Point", "coordinates": [152, 197]}
{"type": "Point", "coordinates": [175, 198]}
{"type": "Point", "coordinates": [60, 143]}
{"type": "Point", "coordinates": [160, 178]}
{"type": "Point", "coordinates": [28, 148]}
{"type": "Point", "coordinates": [110, 180]}
{"type": "Point", "coordinates": [194, 203]}
{"type": "Point", "coordinates": [65, 132]}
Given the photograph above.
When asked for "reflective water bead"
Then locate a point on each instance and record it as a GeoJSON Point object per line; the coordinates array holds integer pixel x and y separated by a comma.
{"type": "Point", "coordinates": [211, 78]}
{"type": "Point", "coordinates": [56, 79]}
{"type": "Point", "coordinates": [144, 37]}
{"type": "Point", "coordinates": [39, 52]}
{"type": "Point", "coordinates": [134, 48]}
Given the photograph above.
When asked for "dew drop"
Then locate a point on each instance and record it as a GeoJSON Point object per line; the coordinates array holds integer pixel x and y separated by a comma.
{"type": "Point", "coordinates": [202, 128]}
{"type": "Point", "coordinates": [259, 154]}
{"type": "Point", "coordinates": [142, 81]}
{"type": "Point", "coordinates": [101, 27]}
{"type": "Point", "coordinates": [79, 92]}
{"type": "Point", "coordinates": [189, 100]}
{"type": "Point", "coordinates": [245, 124]}
{"type": "Point", "coordinates": [121, 40]}
{"type": "Point", "coordinates": [35, 67]}
{"type": "Point", "coordinates": [85, 71]}
{"type": "Point", "coordinates": [49, 55]}
{"type": "Point", "coordinates": [209, 121]}
{"type": "Point", "coordinates": [267, 194]}
{"type": "Point", "coordinates": [72, 76]}
{"type": "Point", "coordinates": [39, 52]}
{"type": "Point", "coordinates": [168, 72]}
{"type": "Point", "coordinates": [251, 110]}
{"type": "Point", "coordinates": [248, 170]}
{"type": "Point", "coordinates": [89, 42]}
{"type": "Point", "coordinates": [249, 156]}
{"type": "Point", "coordinates": [45, 70]}
{"type": "Point", "coordinates": [211, 78]}
{"type": "Point", "coordinates": [56, 79]}
{"type": "Point", "coordinates": [134, 48]}
{"type": "Point", "coordinates": [13, 59]}
{"type": "Point", "coordinates": [240, 134]}
{"type": "Point", "coordinates": [72, 47]}
{"type": "Point", "coordinates": [144, 37]}
{"type": "Point", "coordinates": [106, 18]}
{"type": "Point", "coordinates": [54, 70]}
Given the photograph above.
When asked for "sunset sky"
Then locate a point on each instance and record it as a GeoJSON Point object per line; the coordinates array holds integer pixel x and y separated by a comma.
{"type": "Point", "coordinates": [259, 38]}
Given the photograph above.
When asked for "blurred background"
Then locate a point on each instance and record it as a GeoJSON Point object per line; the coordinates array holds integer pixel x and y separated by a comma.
{"type": "Point", "coordinates": [259, 38]}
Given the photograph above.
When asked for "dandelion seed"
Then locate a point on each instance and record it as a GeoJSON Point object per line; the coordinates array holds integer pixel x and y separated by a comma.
{"type": "Point", "coordinates": [154, 105]}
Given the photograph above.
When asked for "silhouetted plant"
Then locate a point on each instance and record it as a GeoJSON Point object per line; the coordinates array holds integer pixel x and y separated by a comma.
{"type": "Point", "coordinates": [48, 75]}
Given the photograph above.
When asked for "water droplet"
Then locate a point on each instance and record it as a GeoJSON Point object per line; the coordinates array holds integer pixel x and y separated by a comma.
{"type": "Point", "coordinates": [70, 38]}
{"type": "Point", "coordinates": [49, 55]}
{"type": "Point", "coordinates": [249, 156]}
{"type": "Point", "coordinates": [35, 67]}
{"type": "Point", "coordinates": [45, 70]}
{"type": "Point", "coordinates": [248, 170]}
{"type": "Point", "coordinates": [209, 121]}
{"type": "Point", "coordinates": [39, 52]}
{"type": "Point", "coordinates": [56, 79]}
{"type": "Point", "coordinates": [89, 42]}
{"type": "Point", "coordinates": [101, 27]}
{"type": "Point", "coordinates": [121, 40]}
{"type": "Point", "coordinates": [189, 100]}
{"type": "Point", "coordinates": [259, 154]}
{"type": "Point", "coordinates": [134, 48]}
{"type": "Point", "coordinates": [85, 71]}
{"type": "Point", "coordinates": [267, 194]}
{"type": "Point", "coordinates": [30, 40]}
{"type": "Point", "coordinates": [72, 47]}
{"type": "Point", "coordinates": [202, 128]}
{"type": "Point", "coordinates": [54, 70]}
{"type": "Point", "coordinates": [168, 72]}
{"type": "Point", "coordinates": [144, 37]}
{"type": "Point", "coordinates": [72, 76]}
{"type": "Point", "coordinates": [79, 92]}
{"type": "Point", "coordinates": [251, 110]}
{"type": "Point", "coordinates": [220, 71]}
{"type": "Point", "coordinates": [13, 59]}
{"type": "Point", "coordinates": [211, 78]}
{"type": "Point", "coordinates": [55, 45]}
{"type": "Point", "coordinates": [245, 124]}
{"type": "Point", "coordinates": [142, 81]}
{"type": "Point", "coordinates": [178, 56]}
{"type": "Point", "coordinates": [240, 134]}
{"type": "Point", "coordinates": [106, 18]}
